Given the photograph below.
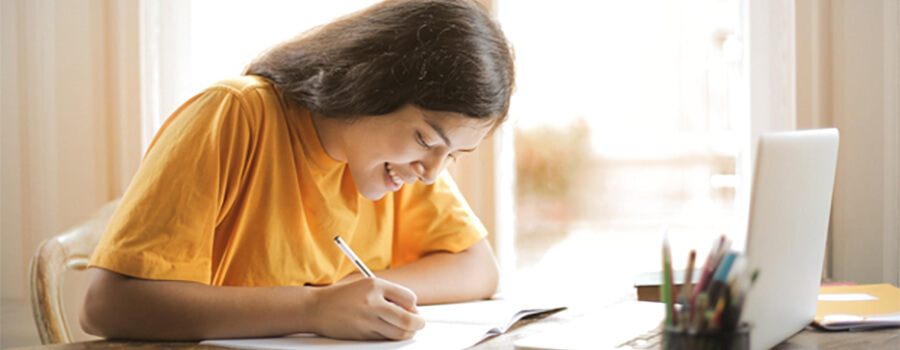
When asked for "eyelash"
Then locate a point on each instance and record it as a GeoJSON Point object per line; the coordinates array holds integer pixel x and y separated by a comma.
{"type": "Point", "coordinates": [429, 147]}
{"type": "Point", "coordinates": [422, 141]}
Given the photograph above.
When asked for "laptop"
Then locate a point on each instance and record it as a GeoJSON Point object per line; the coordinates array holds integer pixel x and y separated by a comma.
{"type": "Point", "coordinates": [790, 205]}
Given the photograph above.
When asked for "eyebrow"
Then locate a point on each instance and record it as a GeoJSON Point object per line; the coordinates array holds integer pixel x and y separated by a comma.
{"type": "Point", "coordinates": [440, 131]}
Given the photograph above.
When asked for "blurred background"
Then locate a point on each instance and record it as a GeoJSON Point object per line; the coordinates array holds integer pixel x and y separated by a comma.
{"type": "Point", "coordinates": [629, 116]}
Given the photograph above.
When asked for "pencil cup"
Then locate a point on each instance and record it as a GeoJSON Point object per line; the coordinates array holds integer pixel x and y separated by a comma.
{"type": "Point", "coordinates": [680, 339]}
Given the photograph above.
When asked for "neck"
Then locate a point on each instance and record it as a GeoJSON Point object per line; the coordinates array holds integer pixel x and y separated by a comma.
{"type": "Point", "coordinates": [330, 132]}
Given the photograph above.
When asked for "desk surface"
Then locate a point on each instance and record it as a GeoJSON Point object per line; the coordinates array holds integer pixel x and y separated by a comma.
{"type": "Point", "coordinates": [809, 338]}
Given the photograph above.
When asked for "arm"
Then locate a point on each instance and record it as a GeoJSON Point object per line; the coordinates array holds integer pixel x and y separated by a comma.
{"type": "Point", "coordinates": [444, 277]}
{"type": "Point", "coordinates": [118, 306]}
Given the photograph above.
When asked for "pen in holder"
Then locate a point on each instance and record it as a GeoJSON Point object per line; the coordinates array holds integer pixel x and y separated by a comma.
{"type": "Point", "coordinates": [706, 316]}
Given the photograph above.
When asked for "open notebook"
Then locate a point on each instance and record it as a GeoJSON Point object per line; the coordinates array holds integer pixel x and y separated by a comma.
{"type": "Point", "coordinates": [448, 326]}
{"type": "Point", "coordinates": [858, 307]}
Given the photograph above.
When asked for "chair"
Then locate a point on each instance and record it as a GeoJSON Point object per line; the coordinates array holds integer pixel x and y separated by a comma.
{"type": "Point", "coordinates": [68, 251]}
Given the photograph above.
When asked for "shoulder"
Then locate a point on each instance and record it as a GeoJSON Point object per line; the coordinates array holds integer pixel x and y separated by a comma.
{"type": "Point", "coordinates": [255, 96]}
{"type": "Point", "coordinates": [243, 84]}
{"type": "Point", "coordinates": [248, 88]}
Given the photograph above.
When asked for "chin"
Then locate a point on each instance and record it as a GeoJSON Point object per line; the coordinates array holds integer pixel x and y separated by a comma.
{"type": "Point", "coordinates": [370, 190]}
{"type": "Point", "coordinates": [373, 195]}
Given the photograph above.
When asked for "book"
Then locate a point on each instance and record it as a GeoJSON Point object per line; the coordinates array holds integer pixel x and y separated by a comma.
{"type": "Point", "coordinates": [858, 307]}
{"type": "Point", "coordinates": [623, 325]}
{"type": "Point", "coordinates": [447, 326]}
{"type": "Point", "coordinates": [648, 284]}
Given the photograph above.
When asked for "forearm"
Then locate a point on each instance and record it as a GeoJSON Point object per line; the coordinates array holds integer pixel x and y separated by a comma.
{"type": "Point", "coordinates": [444, 277]}
{"type": "Point", "coordinates": [118, 306]}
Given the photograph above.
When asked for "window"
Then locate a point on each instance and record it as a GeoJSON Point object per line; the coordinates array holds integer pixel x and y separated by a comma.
{"type": "Point", "coordinates": [227, 35]}
{"type": "Point", "coordinates": [624, 125]}
{"type": "Point", "coordinates": [190, 45]}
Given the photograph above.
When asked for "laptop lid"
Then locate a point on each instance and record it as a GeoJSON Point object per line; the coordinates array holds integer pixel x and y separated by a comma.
{"type": "Point", "coordinates": [790, 205]}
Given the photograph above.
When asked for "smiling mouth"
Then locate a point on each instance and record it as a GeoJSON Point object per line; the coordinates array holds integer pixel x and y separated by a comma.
{"type": "Point", "coordinates": [392, 174]}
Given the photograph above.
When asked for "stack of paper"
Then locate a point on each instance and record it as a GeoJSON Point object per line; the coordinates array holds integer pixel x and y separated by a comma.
{"type": "Point", "coordinates": [858, 307]}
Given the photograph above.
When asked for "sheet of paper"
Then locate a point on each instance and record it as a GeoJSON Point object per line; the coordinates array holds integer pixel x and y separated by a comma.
{"type": "Point", "coordinates": [606, 329]}
{"type": "Point", "coordinates": [435, 335]}
{"type": "Point", "coordinates": [846, 297]}
{"type": "Point", "coordinates": [491, 313]}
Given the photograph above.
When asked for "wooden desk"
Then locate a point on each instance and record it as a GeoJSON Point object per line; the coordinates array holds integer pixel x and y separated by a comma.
{"type": "Point", "coordinates": [809, 338]}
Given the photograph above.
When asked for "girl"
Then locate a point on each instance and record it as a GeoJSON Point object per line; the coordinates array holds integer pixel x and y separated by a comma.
{"type": "Point", "coordinates": [226, 229]}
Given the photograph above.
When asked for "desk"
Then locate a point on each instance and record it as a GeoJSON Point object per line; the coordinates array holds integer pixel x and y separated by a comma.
{"type": "Point", "coordinates": [809, 338]}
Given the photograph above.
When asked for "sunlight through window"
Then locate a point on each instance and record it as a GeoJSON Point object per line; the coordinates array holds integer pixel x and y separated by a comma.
{"type": "Point", "coordinates": [623, 126]}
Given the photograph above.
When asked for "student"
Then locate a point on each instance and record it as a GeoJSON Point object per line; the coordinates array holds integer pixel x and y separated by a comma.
{"type": "Point", "coordinates": [226, 229]}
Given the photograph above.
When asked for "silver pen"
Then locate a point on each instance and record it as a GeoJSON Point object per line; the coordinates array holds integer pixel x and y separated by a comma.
{"type": "Point", "coordinates": [349, 253]}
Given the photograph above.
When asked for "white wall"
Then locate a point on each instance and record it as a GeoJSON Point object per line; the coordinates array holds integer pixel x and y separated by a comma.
{"type": "Point", "coordinates": [70, 126]}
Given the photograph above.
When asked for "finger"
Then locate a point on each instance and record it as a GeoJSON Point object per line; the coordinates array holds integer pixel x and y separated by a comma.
{"type": "Point", "coordinates": [391, 331]}
{"type": "Point", "coordinates": [400, 318]}
{"type": "Point", "coordinates": [400, 295]}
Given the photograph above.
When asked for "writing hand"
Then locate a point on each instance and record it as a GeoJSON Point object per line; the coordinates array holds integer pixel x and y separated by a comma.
{"type": "Point", "coordinates": [369, 308]}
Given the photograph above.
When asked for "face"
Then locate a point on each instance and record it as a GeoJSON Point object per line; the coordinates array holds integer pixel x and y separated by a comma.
{"type": "Point", "coordinates": [385, 152]}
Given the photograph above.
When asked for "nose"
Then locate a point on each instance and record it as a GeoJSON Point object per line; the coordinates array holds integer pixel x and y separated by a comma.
{"type": "Point", "coordinates": [429, 169]}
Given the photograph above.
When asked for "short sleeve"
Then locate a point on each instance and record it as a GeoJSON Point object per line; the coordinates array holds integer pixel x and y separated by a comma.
{"type": "Point", "coordinates": [165, 225]}
{"type": "Point", "coordinates": [433, 218]}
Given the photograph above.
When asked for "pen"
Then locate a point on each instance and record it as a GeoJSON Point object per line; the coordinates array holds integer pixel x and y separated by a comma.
{"type": "Point", "coordinates": [742, 293]}
{"type": "Point", "coordinates": [698, 325]}
{"type": "Point", "coordinates": [706, 271]}
{"type": "Point", "coordinates": [716, 320]}
{"type": "Point", "coordinates": [686, 287]}
{"type": "Point", "coordinates": [349, 253]}
{"type": "Point", "coordinates": [717, 286]}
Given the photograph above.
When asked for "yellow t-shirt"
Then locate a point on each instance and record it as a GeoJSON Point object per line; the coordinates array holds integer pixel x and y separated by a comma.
{"type": "Point", "coordinates": [237, 190]}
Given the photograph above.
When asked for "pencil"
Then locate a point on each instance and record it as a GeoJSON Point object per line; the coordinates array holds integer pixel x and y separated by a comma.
{"type": "Point", "coordinates": [686, 286]}
{"type": "Point", "coordinates": [717, 314]}
{"type": "Point", "coordinates": [666, 290]}
{"type": "Point", "coordinates": [700, 313]}
{"type": "Point", "coordinates": [717, 285]}
{"type": "Point", "coordinates": [697, 288]}
{"type": "Point", "coordinates": [708, 268]}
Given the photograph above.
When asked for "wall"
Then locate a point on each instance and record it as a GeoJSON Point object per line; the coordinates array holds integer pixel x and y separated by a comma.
{"type": "Point", "coordinates": [847, 77]}
{"type": "Point", "coordinates": [865, 95]}
{"type": "Point", "coordinates": [70, 128]}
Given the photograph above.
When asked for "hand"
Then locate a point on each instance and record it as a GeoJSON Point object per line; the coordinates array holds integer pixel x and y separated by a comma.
{"type": "Point", "coordinates": [368, 308]}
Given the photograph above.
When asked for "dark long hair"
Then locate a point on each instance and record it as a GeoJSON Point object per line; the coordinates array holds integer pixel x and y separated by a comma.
{"type": "Point", "coordinates": [439, 55]}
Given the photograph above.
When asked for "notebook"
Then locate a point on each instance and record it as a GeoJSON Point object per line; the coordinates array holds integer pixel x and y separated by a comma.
{"type": "Point", "coordinates": [648, 284]}
{"type": "Point", "coordinates": [858, 307]}
{"type": "Point", "coordinates": [447, 326]}
{"type": "Point", "coordinates": [629, 325]}
{"type": "Point", "coordinates": [789, 211]}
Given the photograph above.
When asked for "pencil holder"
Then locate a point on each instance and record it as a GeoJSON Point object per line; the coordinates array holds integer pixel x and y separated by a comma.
{"type": "Point", "coordinates": [680, 339]}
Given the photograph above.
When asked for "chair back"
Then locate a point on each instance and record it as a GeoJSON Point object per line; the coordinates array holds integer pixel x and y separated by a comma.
{"type": "Point", "coordinates": [68, 251]}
